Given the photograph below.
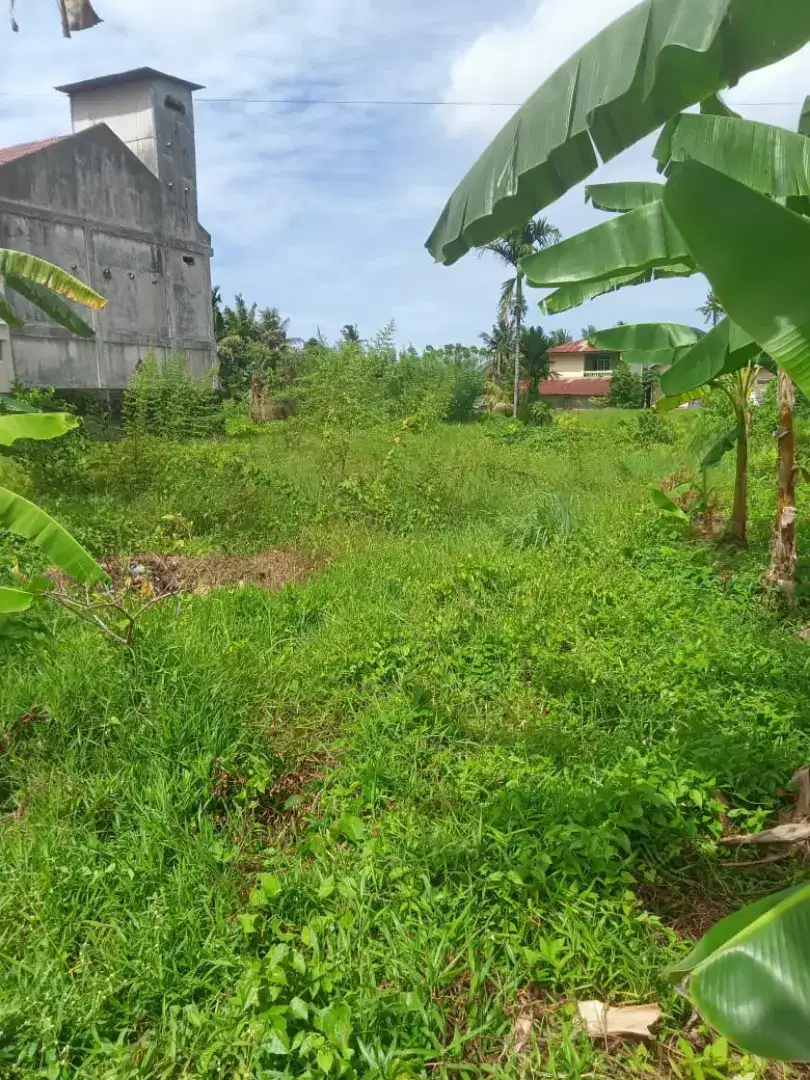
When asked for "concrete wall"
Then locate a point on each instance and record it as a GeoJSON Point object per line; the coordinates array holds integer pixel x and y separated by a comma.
{"type": "Point", "coordinates": [93, 208]}
{"type": "Point", "coordinates": [6, 366]}
{"type": "Point", "coordinates": [568, 365]}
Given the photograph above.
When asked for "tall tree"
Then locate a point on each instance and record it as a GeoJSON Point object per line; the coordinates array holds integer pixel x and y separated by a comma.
{"type": "Point", "coordinates": [712, 310]}
{"type": "Point", "coordinates": [219, 319]}
{"type": "Point", "coordinates": [350, 333]}
{"type": "Point", "coordinates": [496, 346]}
{"type": "Point", "coordinates": [510, 249]}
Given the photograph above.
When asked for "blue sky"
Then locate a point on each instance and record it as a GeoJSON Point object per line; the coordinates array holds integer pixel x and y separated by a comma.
{"type": "Point", "coordinates": [323, 210]}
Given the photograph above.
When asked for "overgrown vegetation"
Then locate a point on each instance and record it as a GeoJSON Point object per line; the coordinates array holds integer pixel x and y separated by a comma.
{"type": "Point", "coordinates": [362, 825]}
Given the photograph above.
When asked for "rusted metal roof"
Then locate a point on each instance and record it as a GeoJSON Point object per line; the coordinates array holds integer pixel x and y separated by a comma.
{"type": "Point", "coordinates": [577, 347]}
{"type": "Point", "coordinates": [575, 388]}
{"type": "Point", "coordinates": [11, 153]}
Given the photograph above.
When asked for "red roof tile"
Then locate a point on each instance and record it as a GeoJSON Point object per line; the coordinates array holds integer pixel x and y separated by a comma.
{"type": "Point", "coordinates": [575, 388]}
{"type": "Point", "coordinates": [11, 153]}
{"type": "Point", "coordinates": [576, 347]}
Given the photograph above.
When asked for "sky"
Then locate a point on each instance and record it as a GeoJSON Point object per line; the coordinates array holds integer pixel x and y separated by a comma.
{"type": "Point", "coordinates": [322, 210]}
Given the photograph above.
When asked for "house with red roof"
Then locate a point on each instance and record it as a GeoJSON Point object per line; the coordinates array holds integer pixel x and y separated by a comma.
{"type": "Point", "coordinates": [114, 203]}
{"type": "Point", "coordinates": [579, 373]}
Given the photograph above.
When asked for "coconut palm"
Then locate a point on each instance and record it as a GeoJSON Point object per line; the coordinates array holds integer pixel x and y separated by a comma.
{"type": "Point", "coordinates": [510, 249]}
{"type": "Point", "coordinates": [496, 346]}
{"type": "Point", "coordinates": [712, 310]}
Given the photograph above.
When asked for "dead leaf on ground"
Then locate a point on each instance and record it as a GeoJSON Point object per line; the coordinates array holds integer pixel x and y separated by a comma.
{"type": "Point", "coordinates": [601, 1021]}
{"type": "Point", "coordinates": [793, 831]}
{"type": "Point", "coordinates": [522, 1036]}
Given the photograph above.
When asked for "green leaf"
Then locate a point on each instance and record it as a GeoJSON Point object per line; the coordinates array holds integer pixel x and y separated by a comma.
{"type": "Point", "coordinates": [23, 518]}
{"type": "Point", "coordinates": [654, 61]}
{"type": "Point", "coordinates": [754, 986]}
{"type": "Point", "coordinates": [619, 198]}
{"type": "Point", "coordinates": [336, 1024]}
{"type": "Point", "coordinates": [326, 1059]}
{"type": "Point", "coordinates": [571, 296]}
{"type": "Point", "coordinates": [722, 447]}
{"type": "Point", "coordinates": [669, 404]}
{"type": "Point", "coordinates": [636, 242]}
{"type": "Point", "coordinates": [725, 349]}
{"type": "Point", "coordinates": [52, 277]}
{"type": "Point", "coordinates": [725, 930]}
{"type": "Point", "coordinates": [8, 403]}
{"type": "Point", "coordinates": [35, 426]}
{"type": "Point", "coordinates": [13, 601]}
{"type": "Point", "coordinates": [269, 885]}
{"type": "Point", "coordinates": [50, 304]}
{"type": "Point", "coordinates": [646, 337]}
{"type": "Point", "coordinates": [756, 255]}
{"type": "Point", "coordinates": [663, 503]}
{"type": "Point", "coordinates": [7, 314]}
{"type": "Point", "coordinates": [766, 158]}
{"type": "Point", "coordinates": [352, 828]}
{"type": "Point", "coordinates": [714, 105]}
{"type": "Point", "coordinates": [299, 1009]}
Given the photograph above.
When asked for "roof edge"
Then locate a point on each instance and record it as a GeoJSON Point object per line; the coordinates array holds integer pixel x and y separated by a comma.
{"type": "Point", "coordinates": [122, 78]}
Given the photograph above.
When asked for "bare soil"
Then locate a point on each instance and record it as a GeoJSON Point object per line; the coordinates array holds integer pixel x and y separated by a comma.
{"type": "Point", "coordinates": [270, 570]}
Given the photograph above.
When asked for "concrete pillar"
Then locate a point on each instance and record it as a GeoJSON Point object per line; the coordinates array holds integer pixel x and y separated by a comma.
{"type": "Point", "coordinates": [6, 360]}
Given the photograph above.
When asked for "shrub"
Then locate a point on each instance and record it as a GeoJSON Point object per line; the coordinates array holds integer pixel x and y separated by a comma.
{"type": "Point", "coordinates": [651, 429]}
{"type": "Point", "coordinates": [626, 388]}
{"type": "Point", "coordinates": [163, 398]}
{"type": "Point", "coordinates": [541, 414]}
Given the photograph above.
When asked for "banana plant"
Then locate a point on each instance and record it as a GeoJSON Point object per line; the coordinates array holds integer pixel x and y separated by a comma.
{"type": "Point", "coordinates": [23, 518]}
{"type": "Point", "coordinates": [651, 64]}
{"type": "Point", "coordinates": [44, 285]}
{"type": "Point", "coordinates": [726, 359]}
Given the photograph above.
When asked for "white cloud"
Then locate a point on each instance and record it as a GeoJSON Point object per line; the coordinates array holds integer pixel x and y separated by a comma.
{"type": "Point", "coordinates": [508, 61]}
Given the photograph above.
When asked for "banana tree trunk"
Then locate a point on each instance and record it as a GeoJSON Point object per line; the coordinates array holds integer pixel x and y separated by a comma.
{"type": "Point", "coordinates": [782, 572]}
{"type": "Point", "coordinates": [738, 527]}
{"type": "Point", "coordinates": [518, 317]}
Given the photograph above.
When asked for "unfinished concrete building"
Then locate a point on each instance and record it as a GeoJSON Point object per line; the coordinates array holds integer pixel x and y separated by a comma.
{"type": "Point", "coordinates": [115, 203]}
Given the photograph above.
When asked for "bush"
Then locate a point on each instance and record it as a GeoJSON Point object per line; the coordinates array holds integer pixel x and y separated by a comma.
{"type": "Point", "coordinates": [541, 414]}
{"type": "Point", "coordinates": [162, 398]}
{"type": "Point", "coordinates": [651, 429]}
{"type": "Point", "coordinates": [626, 388]}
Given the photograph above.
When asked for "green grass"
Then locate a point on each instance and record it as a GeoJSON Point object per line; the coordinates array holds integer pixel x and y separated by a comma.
{"type": "Point", "coordinates": [358, 826]}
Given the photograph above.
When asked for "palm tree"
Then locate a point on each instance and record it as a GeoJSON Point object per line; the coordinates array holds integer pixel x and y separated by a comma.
{"type": "Point", "coordinates": [496, 345]}
{"type": "Point", "coordinates": [351, 333]}
{"type": "Point", "coordinates": [220, 328]}
{"type": "Point", "coordinates": [511, 249]}
{"type": "Point", "coordinates": [712, 311]}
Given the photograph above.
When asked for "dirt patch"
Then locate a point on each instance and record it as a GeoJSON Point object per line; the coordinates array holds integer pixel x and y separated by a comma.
{"type": "Point", "coordinates": [270, 570]}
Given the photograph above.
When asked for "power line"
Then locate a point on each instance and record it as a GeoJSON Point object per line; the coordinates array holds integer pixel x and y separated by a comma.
{"type": "Point", "coordinates": [385, 102]}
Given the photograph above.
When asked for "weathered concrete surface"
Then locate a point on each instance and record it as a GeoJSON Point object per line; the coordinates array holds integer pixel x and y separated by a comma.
{"type": "Point", "coordinates": [90, 205]}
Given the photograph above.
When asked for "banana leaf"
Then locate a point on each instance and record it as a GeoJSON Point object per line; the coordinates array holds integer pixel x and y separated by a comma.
{"type": "Point", "coordinates": [750, 976]}
{"type": "Point", "coordinates": [7, 314]}
{"type": "Point", "coordinates": [646, 337]}
{"type": "Point", "coordinates": [766, 158]}
{"type": "Point", "coordinates": [714, 105]}
{"type": "Point", "coordinates": [571, 296]}
{"type": "Point", "coordinates": [14, 601]}
{"type": "Point", "coordinates": [52, 277]}
{"type": "Point", "coordinates": [665, 505]}
{"type": "Point", "coordinates": [619, 198]}
{"type": "Point", "coordinates": [651, 63]}
{"type": "Point", "coordinates": [636, 242]}
{"type": "Point", "coordinates": [670, 404]}
{"type": "Point", "coordinates": [19, 516]}
{"type": "Point", "coordinates": [722, 447]}
{"type": "Point", "coordinates": [52, 305]}
{"type": "Point", "coordinates": [756, 255]}
{"type": "Point", "coordinates": [38, 426]}
{"type": "Point", "coordinates": [11, 404]}
{"type": "Point", "coordinates": [725, 349]}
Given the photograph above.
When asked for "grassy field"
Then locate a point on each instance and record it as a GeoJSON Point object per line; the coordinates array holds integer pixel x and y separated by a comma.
{"type": "Point", "coordinates": [465, 774]}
